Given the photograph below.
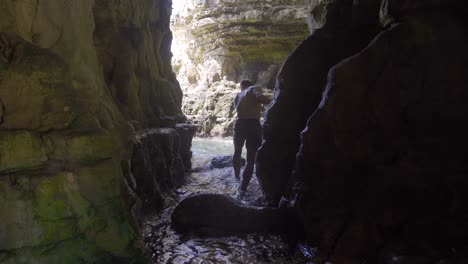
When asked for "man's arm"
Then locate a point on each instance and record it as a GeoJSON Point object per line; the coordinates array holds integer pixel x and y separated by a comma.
{"type": "Point", "coordinates": [235, 101]}
{"type": "Point", "coordinates": [260, 96]}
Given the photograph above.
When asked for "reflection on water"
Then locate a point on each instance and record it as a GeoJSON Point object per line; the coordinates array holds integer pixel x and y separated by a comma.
{"type": "Point", "coordinates": [168, 247]}
{"type": "Point", "coordinates": [204, 149]}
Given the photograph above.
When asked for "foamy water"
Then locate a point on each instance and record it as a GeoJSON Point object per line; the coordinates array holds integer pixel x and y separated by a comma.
{"type": "Point", "coordinates": [169, 247]}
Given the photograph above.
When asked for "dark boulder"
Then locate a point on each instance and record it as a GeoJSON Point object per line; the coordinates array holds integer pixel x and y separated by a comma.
{"type": "Point", "coordinates": [214, 214]}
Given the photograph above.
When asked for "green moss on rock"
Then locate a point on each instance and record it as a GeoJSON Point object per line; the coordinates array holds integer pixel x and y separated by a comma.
{"type": "Point", "coordinates": [101, 183]}
{"type": "Point", "coordinates": [73, 251]}
{"type": "Point", "coordinates": [84, 148]}
{"type": "Point", "coordinates": [19, 227]}
{"type": "Point", "coordinates": [43, 76]}
{"type": "Point", "coordinates": [46, 210]}
{"type": "Point", "coordinates": [121, 236]}
{"type": "Point", "coordinates": [20, 151]}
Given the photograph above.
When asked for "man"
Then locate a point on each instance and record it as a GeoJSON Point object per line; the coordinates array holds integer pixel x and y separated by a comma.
{"type": "Point", "coordinates": [247, 129]}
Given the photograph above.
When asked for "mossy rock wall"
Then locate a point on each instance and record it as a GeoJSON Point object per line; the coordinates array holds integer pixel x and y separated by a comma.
{"type": "Point", "coordinates": [77, 78]}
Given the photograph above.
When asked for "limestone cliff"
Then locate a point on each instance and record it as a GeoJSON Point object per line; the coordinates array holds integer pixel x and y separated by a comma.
{"type": "Point", "coordinates": [220, 42]}
{"type": "Point", "coordinates": [77, 79]}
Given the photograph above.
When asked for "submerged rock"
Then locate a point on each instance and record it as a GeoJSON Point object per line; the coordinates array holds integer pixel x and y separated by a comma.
{"type": "Point", "coordinates": [224, 162]}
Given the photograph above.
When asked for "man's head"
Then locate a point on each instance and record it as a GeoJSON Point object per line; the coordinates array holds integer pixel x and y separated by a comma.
{"type": "Point", "coordinates": [244, 84]}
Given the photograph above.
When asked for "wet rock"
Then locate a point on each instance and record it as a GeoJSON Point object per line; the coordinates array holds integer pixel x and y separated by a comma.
{"type": "Point", "coordinates": [156, 165]}
{"type": "Point", "coordinates": [214, 214]}
{"type": "Point", "coordinates": [186, 133]}
{"type": "Point", "coordinates": [223, 162]}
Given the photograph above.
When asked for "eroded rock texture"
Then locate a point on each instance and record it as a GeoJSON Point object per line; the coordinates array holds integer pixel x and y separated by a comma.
{"type": "Point", "coordinates": [133, 42]}
{"type": "Point", "coordinates": [222, 42]}
{"type": "Point", "coordinates": [77, 78]}
{"type": "Point", "coordinates": [380, 175]}
{"type": "Point", "coordinates": [156, 165]}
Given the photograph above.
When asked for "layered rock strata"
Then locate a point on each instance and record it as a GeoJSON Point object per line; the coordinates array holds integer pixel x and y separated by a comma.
{"type": "Point", "coordinates": [77, 79]}
{"type": "Point", "coordinates": [218, 43]}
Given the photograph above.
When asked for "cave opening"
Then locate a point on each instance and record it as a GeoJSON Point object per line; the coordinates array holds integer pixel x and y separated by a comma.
{"type": "Point", "coordinates": [216, 44]}
{"type": "Point", "coordinates": [359, 200]}
{"type": "Point", "coordinates": [364, 150]}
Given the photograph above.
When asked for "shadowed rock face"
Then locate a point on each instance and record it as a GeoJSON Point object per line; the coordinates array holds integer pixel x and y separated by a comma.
{"type": "Point", "coordinates": [77, 78]}
{"type": "Point", "coordinates": [393, 162]}
{"type": "Point", "coordinates": [379, 175]}
{"type": "Point", "coordinates": [347, 28]}
{"type": "Point", "coordinates": [156, 166]}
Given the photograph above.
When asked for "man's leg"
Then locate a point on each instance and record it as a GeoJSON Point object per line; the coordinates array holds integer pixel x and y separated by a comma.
{"type": "Point", "coordinates": [249, 167]}
{"type": "Point", "coordinates": [254, 140]}
{"type": "Point", "coordinates": [237, 160]}
{"type": "Point", "coordinates": [238, 145]}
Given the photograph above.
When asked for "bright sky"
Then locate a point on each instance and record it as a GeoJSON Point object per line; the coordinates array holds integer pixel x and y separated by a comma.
{"type": "Point", "coordinates": [177, 5]}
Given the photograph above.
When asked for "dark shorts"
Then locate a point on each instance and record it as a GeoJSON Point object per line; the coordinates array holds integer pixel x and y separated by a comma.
{"type": "Point", "coordinates": [248, 131]}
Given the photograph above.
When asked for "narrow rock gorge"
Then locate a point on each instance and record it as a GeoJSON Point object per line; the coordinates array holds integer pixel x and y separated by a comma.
{"type": "Point", "coordinates": [364, 154]}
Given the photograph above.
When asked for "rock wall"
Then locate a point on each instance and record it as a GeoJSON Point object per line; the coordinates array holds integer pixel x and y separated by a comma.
{"type": "Point", "coordinates": [339, 30]}
{"type": "Point", "coordinates": [379, 176]}
{"type": "Point", "coordinates": [159, 164]}
{"type": "Point", "coordinates": [219, 43]}
{"type": "Point", "coordinates": [133, 41]}
{"type": "Point", "coordinates": [77, 79]}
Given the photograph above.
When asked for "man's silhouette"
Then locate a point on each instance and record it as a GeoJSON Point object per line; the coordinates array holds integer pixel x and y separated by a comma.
{"type": "Point", "coordinates": [247, 129]}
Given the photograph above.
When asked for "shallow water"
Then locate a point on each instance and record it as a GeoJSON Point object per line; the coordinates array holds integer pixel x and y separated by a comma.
{"type": "Point", "coordinates": [166, 246]}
